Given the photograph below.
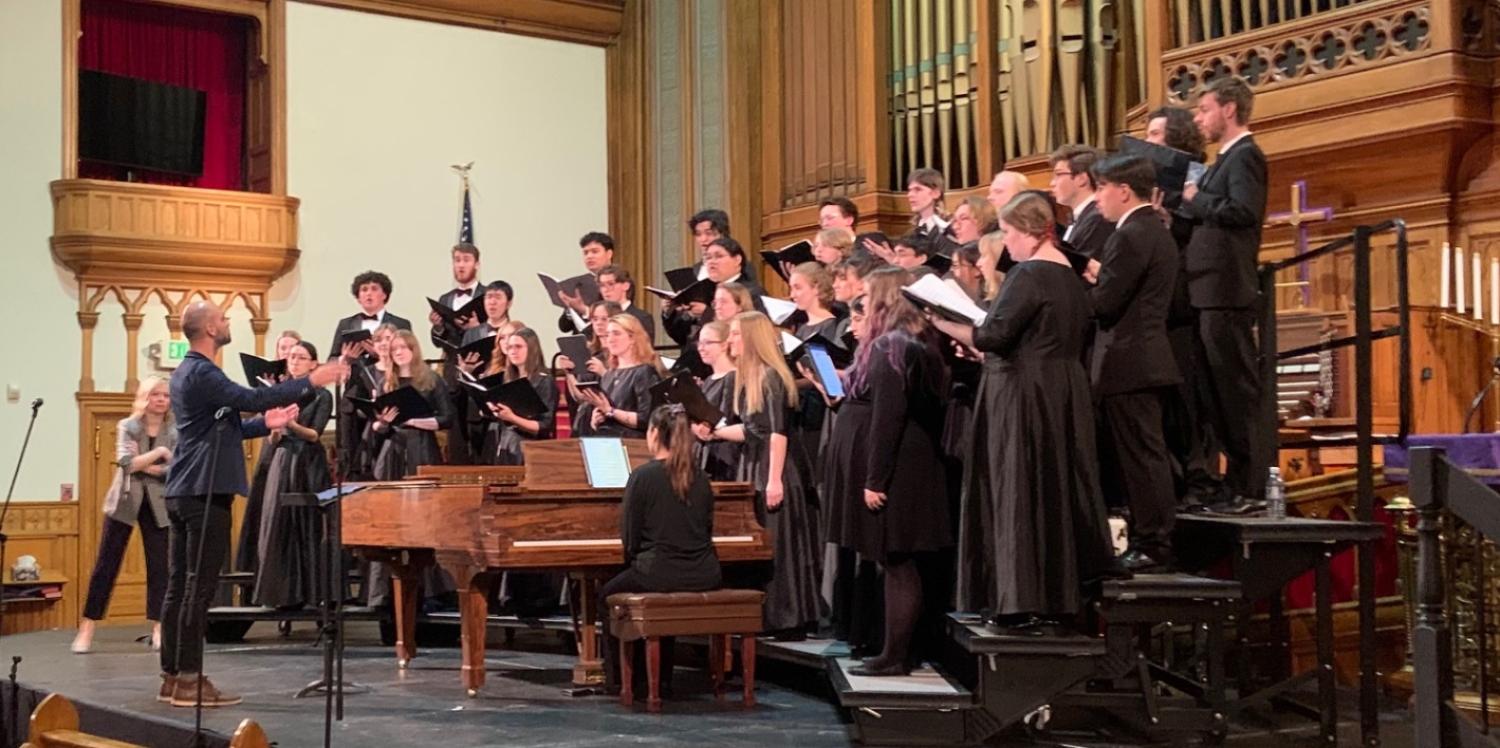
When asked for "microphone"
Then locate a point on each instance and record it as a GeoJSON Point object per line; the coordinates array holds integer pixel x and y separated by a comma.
{"type": "Point", "coordinates": [223, 412]}
{"type": "Point", "coordinates": [36, 405]}
{"type": "Point", "coordinates": [1479, 398]}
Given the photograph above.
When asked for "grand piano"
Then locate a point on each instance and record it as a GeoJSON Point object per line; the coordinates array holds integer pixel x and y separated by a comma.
{"type": "Point", "coordinates": [479, 521]}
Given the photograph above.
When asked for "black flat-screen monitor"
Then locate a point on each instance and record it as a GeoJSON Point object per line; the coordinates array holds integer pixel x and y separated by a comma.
{"type": "Point", "coordinates": [140, 124]}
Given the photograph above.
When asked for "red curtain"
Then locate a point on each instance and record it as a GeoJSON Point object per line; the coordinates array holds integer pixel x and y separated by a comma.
{"type": "Point", "coordinates": [179, 47]}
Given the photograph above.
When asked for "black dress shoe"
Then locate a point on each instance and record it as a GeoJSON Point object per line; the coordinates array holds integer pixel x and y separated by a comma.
{"type": "Point", "coordinates": [1138, 562]}
{"type": "Point", "coordinates": [1193, 507]}
{"type": "Point", "coordinates": [1239, 506]}
{"type": "Point", "coordinates": [876, 669]}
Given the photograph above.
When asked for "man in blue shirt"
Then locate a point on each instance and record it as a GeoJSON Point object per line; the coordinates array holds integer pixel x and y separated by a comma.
{"type": "Point", "coordinates": [206, 472]}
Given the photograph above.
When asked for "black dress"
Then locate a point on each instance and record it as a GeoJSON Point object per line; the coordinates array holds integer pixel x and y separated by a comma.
{"type": "Point", "coordinates": [628, 389]}
{"type": "Point", "coordinates": [1034, 526]}
{"type": "Point", "coordinates": [720, 459]}
{"type": "Point", "coordinates": [905, 382]}
{"type": "Point", "coordinates": [857, 598]}
{"type": "Point", "coordinates": [399, 449]}
{"type": "Point", "coordinates": [289, 538]}
{"type": "Point", "coordinates": [356, 452]}
{"type": "Point", "coordinates": [811, 415]}
{"type": "Point", "coordinates": [792, 595]}
{"type": "Point", "coordinates": [502, 441]}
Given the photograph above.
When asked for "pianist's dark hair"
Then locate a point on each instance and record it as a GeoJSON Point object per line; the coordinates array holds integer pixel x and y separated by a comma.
{"type": "Point", "coordinates": [674, 433]}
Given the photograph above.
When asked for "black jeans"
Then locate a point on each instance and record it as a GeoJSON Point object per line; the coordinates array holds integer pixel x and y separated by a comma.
{"type": "Point", "coordinates": [185, 610]}
{"type": "Point", "coordinates": [112, 544]}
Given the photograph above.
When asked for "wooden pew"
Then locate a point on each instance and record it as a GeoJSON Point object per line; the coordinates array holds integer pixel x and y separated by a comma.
{"type": "Point", "coordinates": [54, 724]}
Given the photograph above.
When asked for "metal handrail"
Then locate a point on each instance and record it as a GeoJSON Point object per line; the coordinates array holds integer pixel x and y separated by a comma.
{"type": "Point", "coordinates": [1364, 439]}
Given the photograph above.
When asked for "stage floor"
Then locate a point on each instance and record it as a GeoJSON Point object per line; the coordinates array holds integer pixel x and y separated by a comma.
{"type": "Point", "coordinates": [523, 703]}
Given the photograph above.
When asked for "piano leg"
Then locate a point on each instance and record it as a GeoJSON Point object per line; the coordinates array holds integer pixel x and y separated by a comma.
{"type": "Point", "coordinates": [589, 670]}
{"type": "Point", "coordinates": [405, 589]}
{"type": "Point", "coordinates": [474, 611]}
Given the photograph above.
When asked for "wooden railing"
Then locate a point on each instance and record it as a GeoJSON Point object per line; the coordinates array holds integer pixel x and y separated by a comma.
{"type": "Point", "coordinates": [1438, 487]}
{"type": "Point", "coordinates": [1195, 21]}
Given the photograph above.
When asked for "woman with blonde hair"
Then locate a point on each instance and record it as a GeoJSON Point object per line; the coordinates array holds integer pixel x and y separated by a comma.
{"type": "Point", "coordinates": [721, 459]}
{"type": "Point", "coordinates": [143, 449]}
{"type": "Point", "coordinates": [730, 299]}
{"type": "Point", "coordinates": [1034, 528]}
{"type": "Point", "coordinates": [831, 245]}
{"type": "Point", "coordinates": [367, 378]}
{"type": "Point", "coordinates": [622, 402]}
{"type": "Point", "coordinates": [402, 444]}
{"type": "Point", "coordinates": [246, 556]}
{"type": "Point", "coordinates": [765, 395]}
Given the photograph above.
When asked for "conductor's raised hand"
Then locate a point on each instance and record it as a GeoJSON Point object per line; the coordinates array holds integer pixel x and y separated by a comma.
{"type": "Point", "coordinates": [326, 374]}
{"type": "Point", "coordinates": [279, 417]}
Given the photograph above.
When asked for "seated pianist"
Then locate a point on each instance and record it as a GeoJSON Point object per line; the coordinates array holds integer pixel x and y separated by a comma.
{"type": "Point", "coordinates": [666, 527]}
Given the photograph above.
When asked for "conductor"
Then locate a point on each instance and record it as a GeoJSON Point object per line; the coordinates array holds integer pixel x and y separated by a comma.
{"type": "Point", "coordinates": [206, 472]}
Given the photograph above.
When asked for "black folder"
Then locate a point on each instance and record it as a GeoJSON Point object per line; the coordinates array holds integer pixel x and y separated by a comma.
{"type": "Point", "coordinates": [680, 278]}
{"type": "Point", "coordinates": [484, 346]}
{"type": "Point", "coordinates": [841, 356]}
{"type": "Point", "coordinates": [576, 349]}
{"type": "Point", "coordinates": [681, 389]}
{"type": "Point", "coordinates": [585, 286]}
{"type": "Point", "coordinates": [702, 290]}
{"type": "Point", "coordinates": [795, 253]}
{"type": "Point", "coordinates": [474, 308]}
{"type": "Point", "coordinates": [1171, 164]}
{"type": "Point", "coordinates": [408, 402]}
{"type": "Point", "coordinates": [517, 394]}
{"type": "Point", "coordinates": [260, 372]}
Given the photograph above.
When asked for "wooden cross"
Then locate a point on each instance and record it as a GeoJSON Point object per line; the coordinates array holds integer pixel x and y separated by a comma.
{"type": "Point", "coordinates": [1298, 217]}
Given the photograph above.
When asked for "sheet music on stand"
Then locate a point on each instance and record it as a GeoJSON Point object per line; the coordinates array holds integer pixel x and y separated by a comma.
{"type": "Point", "coordinates": [605, 461]}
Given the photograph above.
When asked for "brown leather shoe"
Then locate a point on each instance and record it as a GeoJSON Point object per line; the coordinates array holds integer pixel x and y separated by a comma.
{"type": "Point", "coordinates": [186, 693]}
{"type": "Point", "coordinates": [168, 685]}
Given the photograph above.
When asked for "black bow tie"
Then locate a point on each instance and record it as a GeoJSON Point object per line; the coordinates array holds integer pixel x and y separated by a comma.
{"type": "Point", "coordinates": [371, 317]}
{"type": "Point", "coordinates": [463, 292]}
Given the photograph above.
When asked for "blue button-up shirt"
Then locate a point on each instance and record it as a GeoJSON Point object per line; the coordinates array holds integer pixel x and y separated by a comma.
{"type": "Point", "coordinates": [200, 389]}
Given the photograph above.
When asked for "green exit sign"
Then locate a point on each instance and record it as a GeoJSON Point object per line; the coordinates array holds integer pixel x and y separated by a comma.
{"type": "Point", "coordinates": [177, 350]}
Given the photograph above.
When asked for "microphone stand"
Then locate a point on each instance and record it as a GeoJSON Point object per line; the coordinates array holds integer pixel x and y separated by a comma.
{"type": "Point", "coordinates": [1479, 398]}
{"type": "Point", "coordinates": [190, 604]}
{"type": "Point", "coordinates": [15, 695]}
{"type": "Point", "coordinates": [331, 620]}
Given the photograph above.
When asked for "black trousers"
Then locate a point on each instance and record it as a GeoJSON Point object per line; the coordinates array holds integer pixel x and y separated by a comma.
{"type": "Point", "coordinates": [1135, 466]}
{"type": "Point", "coordinates": [1230, 393]}
{"type": "Point", "coordinates": [112, 544]}
{"type": "Point", "coordinates": [1182, 419]}
{"type": "Point", "coordinates": [185, 611]}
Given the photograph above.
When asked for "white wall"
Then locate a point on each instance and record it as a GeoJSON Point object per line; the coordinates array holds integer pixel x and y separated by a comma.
{"type": "Point", "coordinates": [40, 336]}
{"type": "Point", "coordinates": [379, 107]}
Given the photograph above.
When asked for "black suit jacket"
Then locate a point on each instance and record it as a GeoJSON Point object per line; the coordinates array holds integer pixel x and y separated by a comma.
{"type": "Point", "coordinates": [1137, 276]}
{"type": "Point", "coordinates": [1227, 212]}
{"type": "Point", "coordinates": [453, 334]}
{"type": "Point", "coordinates": [353, 322]}
{"type": "Point", "coordinates": [1090, 231]}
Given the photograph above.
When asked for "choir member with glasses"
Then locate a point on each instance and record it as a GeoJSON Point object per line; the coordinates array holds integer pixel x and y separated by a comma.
{"type": "Point", "coordinates": [721, 459]}
{"type": "Point", "coordinates": [288, 535]}
{"type": "Point", "coordinates": [521, 359]}
{"type": "Point", "coordinates": [1033, 529]}
{"type": "Point", "coordinates": [837, 213]}
{"type": "Point", "coordinates": [1073, 185]}
{"type": "Point", "coordinates": [616, 285]}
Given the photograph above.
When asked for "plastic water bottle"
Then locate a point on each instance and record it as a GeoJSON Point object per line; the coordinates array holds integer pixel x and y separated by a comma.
{"type": "Point", "coordinates": [1275, 495]}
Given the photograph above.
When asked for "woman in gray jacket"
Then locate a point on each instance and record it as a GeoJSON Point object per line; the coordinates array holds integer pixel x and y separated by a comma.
{"type": "Point", "coordinates": [143, 449]}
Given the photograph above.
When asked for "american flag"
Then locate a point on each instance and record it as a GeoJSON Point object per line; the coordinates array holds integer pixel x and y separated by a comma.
{"type": "Point", "coordinates": [466, 220]}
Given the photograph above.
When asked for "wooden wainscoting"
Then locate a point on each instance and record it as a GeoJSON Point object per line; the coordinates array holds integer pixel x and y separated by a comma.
{"type": "Point", "coordinates": [47, 530]}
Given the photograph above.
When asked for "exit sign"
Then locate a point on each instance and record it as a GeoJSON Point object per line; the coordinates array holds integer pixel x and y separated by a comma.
{"type": "Point", "coordinates": [170, 353]}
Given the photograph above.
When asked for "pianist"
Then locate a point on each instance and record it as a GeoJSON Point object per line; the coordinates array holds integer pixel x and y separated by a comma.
{"type": "Point", "coordinates": [666, 527]}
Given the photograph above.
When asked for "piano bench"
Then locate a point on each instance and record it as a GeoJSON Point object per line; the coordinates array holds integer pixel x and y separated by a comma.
{"type": "Point", "coordinates": [718, 615]}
